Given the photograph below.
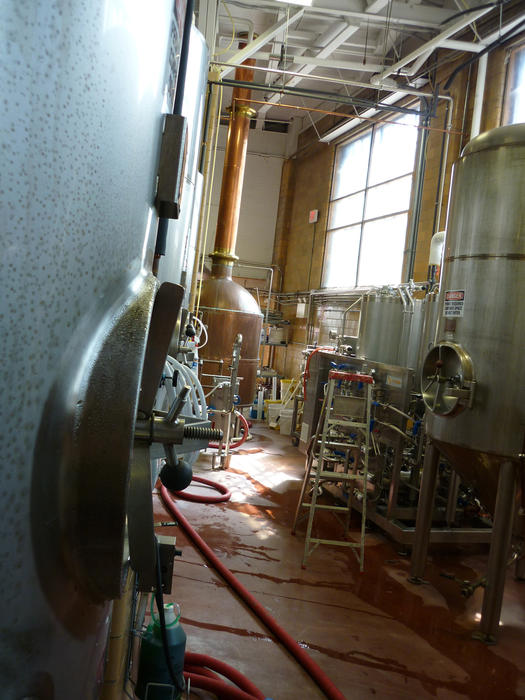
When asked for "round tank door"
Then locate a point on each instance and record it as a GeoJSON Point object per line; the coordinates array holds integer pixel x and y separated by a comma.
{"type": "Point", "coordinates": [447, 380]}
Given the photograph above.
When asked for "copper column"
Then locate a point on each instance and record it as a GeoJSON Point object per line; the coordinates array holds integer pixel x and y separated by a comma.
{"type": "Point", "coordinates": [233, 173]}
{"type": "Point", "coordinates": [227, 308]}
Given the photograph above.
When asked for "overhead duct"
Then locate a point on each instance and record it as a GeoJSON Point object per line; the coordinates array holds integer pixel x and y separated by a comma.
{"type": "Point", "coordinates": [227, 308]}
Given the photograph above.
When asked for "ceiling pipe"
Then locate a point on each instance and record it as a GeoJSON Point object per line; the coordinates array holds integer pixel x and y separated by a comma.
{"type": "Point", "coordinates": [323, 78]}
{"type": "Point", "coordinates": [478, 96]}
{"type": "Point", "coordinates": [327, 96]}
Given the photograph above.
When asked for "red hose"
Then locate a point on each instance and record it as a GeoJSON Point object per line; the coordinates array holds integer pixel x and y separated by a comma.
{"type": "Point", "coordinates": [208, 662]}
{"type": "Point", "coordinates": [197, 670]}
{"type": "Point", "coordinates": [237, 443]}
{"type": "Point", "coordinates": [224, 493]}
{"type": "Point", "coordinates": [307, 368]}
{"type": "Point", "coordinates": [315, 672]}
{"type": "Point", "coordinates": [223, 690]}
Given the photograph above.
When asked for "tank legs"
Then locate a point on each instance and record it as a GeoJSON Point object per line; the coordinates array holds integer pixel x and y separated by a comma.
{"type": "Point", "coordinates": [424, 513]}
{"type": "Point", "coordinates": [498, 556]}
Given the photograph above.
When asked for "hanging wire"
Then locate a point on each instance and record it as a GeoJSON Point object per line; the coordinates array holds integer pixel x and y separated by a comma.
{"type": "Point", "coordinates": [222, 51]}
{"type": "Point", "coordinates": [472, 25]}
{"type": "Point", "coordinates": [366, 41]}
{"type": "Point", "coordinates": [311, 120]}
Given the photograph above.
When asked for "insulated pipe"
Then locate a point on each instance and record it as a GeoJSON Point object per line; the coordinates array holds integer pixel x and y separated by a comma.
{"type": "Point", "coordinates": [478, 97]}
{"type": "Point", "coordinates": [209, 150]}
{"type": "Point", "coordinates": [309, 665]}
{"type": "Point", "coordinates": [197, 392]}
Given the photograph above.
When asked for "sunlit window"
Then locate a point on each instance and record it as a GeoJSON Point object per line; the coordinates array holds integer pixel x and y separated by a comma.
{"type": "Point", "coordinates": [370, 198]}
{"type": "Point", "coordinates": [515, 98]}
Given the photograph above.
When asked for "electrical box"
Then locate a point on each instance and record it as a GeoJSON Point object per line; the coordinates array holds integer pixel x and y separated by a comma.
{"type": "Point", "coordinates": [171, 166]}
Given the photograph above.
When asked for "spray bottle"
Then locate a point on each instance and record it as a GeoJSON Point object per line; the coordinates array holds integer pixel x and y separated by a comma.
{"type": "Point", "coordinates": [153, 674]}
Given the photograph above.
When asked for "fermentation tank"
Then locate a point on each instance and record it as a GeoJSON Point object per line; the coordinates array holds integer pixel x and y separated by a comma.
{"type": "Point", "coordinates": [413, 322]}
{"type": "Point", "coordinates": [473, 379]}
{"type": "Point", "coordinates": [86, 85]}
{"type": "Point", "coordinates": [177, 264]}
{"type": "Point", "coordinates": [476, 395]}
{"type": "Point", "coordinates": [381, 326]}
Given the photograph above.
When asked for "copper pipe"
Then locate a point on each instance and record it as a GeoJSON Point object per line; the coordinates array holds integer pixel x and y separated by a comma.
{"type": "Point", "coordinates": [358, 116]}
{"type": "Point", "coordinates": [233, 173]}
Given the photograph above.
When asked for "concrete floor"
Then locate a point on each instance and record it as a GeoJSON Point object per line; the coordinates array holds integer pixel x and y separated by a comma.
{"type": "Point", "coordinates": [374, 634]}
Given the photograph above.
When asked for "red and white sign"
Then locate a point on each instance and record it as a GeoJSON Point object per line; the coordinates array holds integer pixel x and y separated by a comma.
{"type": "Point", "coordinates": [454, 303]}
{"type": "Point", "coordinates": [313, 216]}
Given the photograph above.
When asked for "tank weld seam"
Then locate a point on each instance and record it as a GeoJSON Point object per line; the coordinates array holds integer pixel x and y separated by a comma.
{"type": "Point", "coordinates": [486, 256]}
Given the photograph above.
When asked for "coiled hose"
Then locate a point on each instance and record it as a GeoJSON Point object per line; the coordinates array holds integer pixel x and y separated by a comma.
{"type": "Point", "coordinates": [237, 443]}
{"type": "Point", "coordinates": [200, 669]}
{"type": "Point", "coordinates": [309, 665]}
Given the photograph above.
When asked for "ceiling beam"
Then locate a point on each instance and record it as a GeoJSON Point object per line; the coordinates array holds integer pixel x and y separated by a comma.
{"type": "Point", "coordinates": [400, 13]}
{"type": "Point", "coordinates": [322, 62]}
{"type": "Point", "coordinates": [262, 39]}
{"type": "Point", "coordinates": [433, 43]}
{"type": "Point", "coordinates": [456, 45]}
{"type": "Point", "coordinates": [338, 37]}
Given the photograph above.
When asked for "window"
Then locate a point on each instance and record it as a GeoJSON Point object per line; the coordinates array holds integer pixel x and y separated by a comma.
{"type": "Point", "coordinates": [369, 205]}
{"type": "Point", "coordinates": [515, 98]}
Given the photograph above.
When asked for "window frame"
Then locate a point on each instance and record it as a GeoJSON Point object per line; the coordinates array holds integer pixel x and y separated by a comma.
{"type": "Point", "coordinates": [366, 189]}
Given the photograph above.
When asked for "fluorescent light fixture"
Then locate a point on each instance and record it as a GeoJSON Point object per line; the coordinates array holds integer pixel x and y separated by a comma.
{"type": "Point", "coordinates": [304, 3]}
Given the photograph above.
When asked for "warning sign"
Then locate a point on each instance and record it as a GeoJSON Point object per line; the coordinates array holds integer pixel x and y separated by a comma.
{"type": "Point", "coordinates": [454, 301]}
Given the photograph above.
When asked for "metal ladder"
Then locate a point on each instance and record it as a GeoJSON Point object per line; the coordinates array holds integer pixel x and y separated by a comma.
{"type": "Point", "coordinates": [346, 429]}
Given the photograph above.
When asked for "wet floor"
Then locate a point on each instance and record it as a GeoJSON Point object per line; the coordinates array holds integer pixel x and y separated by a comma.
{"type": "Point", "coordinates": [373, 633]}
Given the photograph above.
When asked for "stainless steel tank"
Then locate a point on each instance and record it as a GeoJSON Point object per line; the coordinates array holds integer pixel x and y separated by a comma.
{"type": "Point", "coordinates": [84, 84]}
{"type": "Point", "coordinates": [381, 326]}
{"type": "Point", "coordinates": [429, 326]}
{"type": "Point", "coordinates": [474, 379]}
{"type": "Point", "coordinates": [177, 265]}
{"type": "Point", "coordinates": [413, 322]}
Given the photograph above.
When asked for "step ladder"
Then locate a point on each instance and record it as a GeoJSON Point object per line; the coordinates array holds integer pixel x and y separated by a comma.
{"type": "Point", "coordinates": [344, 440]}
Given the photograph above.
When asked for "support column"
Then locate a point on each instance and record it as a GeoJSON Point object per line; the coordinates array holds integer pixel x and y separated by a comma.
{"type": "Point", "coordinates": [499, 553]}
{"type": "Point", "coordinates": [425, 509]}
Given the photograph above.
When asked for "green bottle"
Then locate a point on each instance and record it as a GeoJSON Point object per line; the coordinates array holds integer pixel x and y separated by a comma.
{"type": "Point", "coordinates": [152, 660]}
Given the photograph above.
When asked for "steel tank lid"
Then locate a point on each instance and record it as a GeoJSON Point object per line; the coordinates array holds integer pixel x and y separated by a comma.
{"type": "Point", "coordinates": [513, 134]}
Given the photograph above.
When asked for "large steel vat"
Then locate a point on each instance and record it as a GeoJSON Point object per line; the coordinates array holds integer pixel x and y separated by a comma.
{"type": "Point", "coordinates": [177, 264]}
{"type": "Point", "coordinates": [84, 84]}
{"type": "Point", "coordinates": [476, 395]}
{"type": "Point", "coordinates": [381, 326]}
